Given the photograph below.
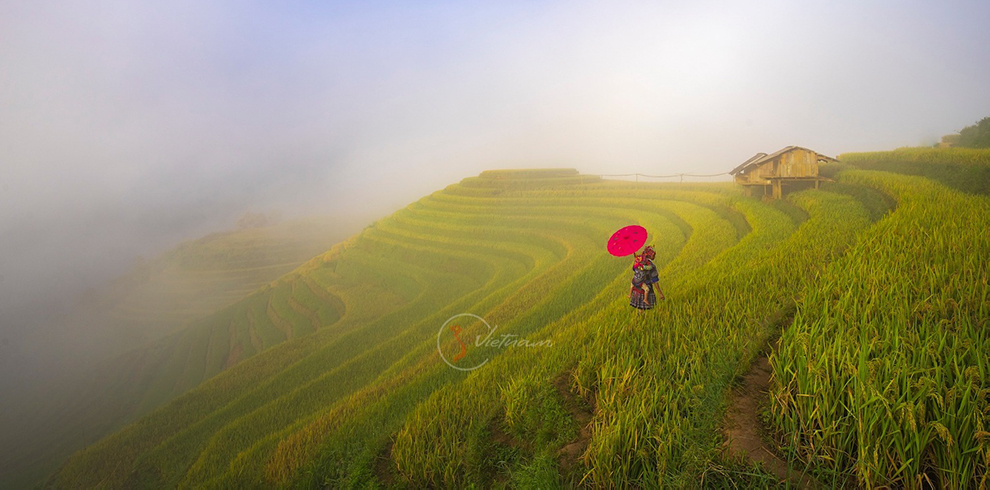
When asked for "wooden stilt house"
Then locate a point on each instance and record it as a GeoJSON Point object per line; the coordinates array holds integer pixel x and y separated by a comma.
{"type": "Point", "coordinates": [790, 168]}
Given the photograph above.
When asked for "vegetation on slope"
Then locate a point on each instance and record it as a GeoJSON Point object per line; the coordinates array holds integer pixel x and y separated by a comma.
{"type": "Point", "coordinates": [158, 297]}
{"type": "Point", "coordinates": [554, 246]}
{"type": "Point", "coordinates": [647, 428]}
{"type": "Point", "coordinates": [976, 135]}
{"type": "Point", "coordinates": [884, 374]}
{"type": "Point", "coordinates": [966, 169]}
{"type": "Point", "coordinates": [608, 396]}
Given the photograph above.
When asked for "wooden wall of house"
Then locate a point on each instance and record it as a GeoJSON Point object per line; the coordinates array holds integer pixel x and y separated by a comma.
{"type": "Point", "coordinates": [799, 163]}
{"type": "Point", "coordinates": [745, 178]}
{"type": "Point", "coordinates": [758, 175]}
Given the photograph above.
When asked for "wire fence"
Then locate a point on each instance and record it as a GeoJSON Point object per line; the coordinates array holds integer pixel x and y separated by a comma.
{"type": "Point", "coordinates": [671, 176]}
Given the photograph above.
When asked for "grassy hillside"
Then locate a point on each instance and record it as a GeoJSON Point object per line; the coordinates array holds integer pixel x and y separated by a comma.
{"type": "Point", "coordinates": [157, 298]}
{"type": "Point", "coordinates": [351, 381]}
{"type": "Point", "coordinates": [966, 169]}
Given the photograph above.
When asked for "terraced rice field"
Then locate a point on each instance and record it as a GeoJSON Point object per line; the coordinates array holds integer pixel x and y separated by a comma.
{"type": "Point", "coordinates": [199, 277]}
{"type": "Point", "coordinates": [332, 376]}
{"type": "Point", "coordinates": [883, 375]}
{"type": "Point", "coordinates": [966, 169]}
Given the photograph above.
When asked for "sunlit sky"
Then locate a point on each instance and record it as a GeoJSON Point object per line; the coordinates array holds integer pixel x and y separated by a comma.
{"type": "Point", "coordinates": [126, 126]}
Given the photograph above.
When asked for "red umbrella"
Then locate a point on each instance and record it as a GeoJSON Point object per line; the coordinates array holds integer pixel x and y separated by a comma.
{"type": "Point", "coordinates": [627, 240]}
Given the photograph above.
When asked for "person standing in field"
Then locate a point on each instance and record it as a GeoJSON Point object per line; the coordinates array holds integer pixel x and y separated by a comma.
{"type": "Point", "coordinates": [643, 294]}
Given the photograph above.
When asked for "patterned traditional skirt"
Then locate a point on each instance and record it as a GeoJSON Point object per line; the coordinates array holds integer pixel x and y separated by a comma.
{"type": "Point", "coordinates": [636, 297]}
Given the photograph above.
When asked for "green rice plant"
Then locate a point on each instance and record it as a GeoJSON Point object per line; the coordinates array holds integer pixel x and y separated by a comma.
{"type": "Point", "coordinates": [660, 392]}
{"type": "Point", "coordinates": [883, 374]}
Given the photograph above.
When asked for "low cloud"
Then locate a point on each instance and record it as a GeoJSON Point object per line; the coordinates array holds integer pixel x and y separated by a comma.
{"type": "Point", "coordinates": [126, 127]}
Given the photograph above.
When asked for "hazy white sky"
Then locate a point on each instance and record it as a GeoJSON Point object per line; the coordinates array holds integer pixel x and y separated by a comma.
{"type": "Point", "coordinates": [127, 125]}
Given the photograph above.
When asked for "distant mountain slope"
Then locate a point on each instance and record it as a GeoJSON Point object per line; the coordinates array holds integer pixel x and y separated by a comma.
{"type": "Point", "coordinates": [167, 301]}
{"type": "Point", "coordinates": [199, 277]}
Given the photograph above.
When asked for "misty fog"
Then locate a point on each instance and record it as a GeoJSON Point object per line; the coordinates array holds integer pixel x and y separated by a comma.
{"type": "Point", "coordinates": [128, 127]}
